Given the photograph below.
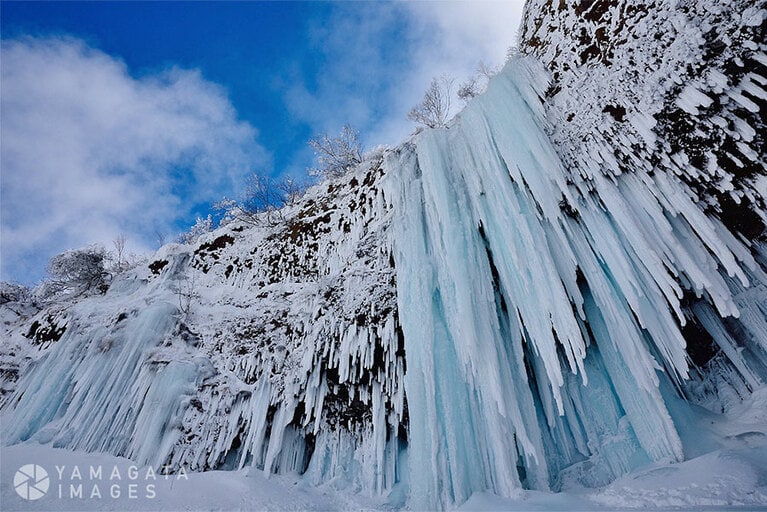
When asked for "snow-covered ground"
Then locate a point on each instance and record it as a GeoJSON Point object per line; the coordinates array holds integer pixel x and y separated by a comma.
{"type": "Point", "coordinates": [734, 479]}
{"type": "Point", "coordinates": [124, 486]}
{"type": "Point", "coordinates": [731, 477]}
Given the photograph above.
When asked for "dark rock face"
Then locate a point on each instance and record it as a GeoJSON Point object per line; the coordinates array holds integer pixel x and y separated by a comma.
{"type": "Point", "coordinates": [665, 89]}
{"type": "Point", "coordinates": [677, 87]}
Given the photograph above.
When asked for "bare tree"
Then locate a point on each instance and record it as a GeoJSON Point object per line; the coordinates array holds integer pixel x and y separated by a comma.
{"type": "Point", "coordinates": [487, 71]}
{"type": "Point", "coordinates": [159, 236]}
{"type": "Point", "coordinates": [77, 272]}
{"type": "Point", "coordinates": [336, 155]}
{"type": "Point", "coordinates": [260, 203]}
{"type": "Point", "coordinates": [12, 292]}
{"type": "Point", "coordinates": [262, 194]}
{"type": "Point", "coordinates": [202, 226]}
{"type": "Point", "coordinates": [119, 245]}
{"type": "Point", "coordinates": [434, 109]}
{"type": "Point", "coordinates": [186, 294]}
{"type": "Point", "coordinates": [292, 189]}
{"type": "Point", "coordinates": [477, 83]}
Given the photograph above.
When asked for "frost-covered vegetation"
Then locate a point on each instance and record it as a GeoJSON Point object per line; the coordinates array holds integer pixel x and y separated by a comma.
{"type": "Point", "coordinates": [336, 155]}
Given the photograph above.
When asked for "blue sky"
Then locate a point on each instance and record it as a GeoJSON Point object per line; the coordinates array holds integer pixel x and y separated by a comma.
{"type": "Point", "coordinates": [133, 117]}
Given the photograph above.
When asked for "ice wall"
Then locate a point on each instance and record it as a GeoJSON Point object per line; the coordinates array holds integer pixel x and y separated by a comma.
{"type": "Point", "coordinates": [274, 346]}
{"type": "Point", "coordinates": [540, 309]}
{"type": "Point", "coordinates": [92, 391]}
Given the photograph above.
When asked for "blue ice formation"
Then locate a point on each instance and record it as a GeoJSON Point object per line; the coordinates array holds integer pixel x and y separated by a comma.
{"type": "Point", "coordinates": [542, 310]}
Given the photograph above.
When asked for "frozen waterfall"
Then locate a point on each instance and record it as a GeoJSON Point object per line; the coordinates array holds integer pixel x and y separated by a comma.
{"type": "Point", "coordinates": [541, 310]}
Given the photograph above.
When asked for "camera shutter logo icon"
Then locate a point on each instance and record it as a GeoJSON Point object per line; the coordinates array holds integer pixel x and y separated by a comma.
{"type": "Point", "coordinates": [31, 482]}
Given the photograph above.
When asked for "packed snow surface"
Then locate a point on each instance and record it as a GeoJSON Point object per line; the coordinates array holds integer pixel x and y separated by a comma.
{"type": "Point", "coordinates": [728, 478]}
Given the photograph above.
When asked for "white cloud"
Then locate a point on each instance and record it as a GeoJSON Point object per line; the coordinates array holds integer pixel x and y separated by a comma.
{"type": "Point", "coordinates": [464, 32]}
{"type": "Point", "coordinates": [449, 38]}
{"type": "Point", "coordinates": [364, 84]}
{"type": "Point", "coordinates": [88, 151]}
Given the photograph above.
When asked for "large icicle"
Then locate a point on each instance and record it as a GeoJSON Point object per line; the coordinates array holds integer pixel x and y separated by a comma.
{"type": "Point", "coordinates": [284, 354]}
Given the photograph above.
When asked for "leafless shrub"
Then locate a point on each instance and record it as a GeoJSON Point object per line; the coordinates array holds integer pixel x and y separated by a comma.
{"type": "Point", "coordinates": [292, 189]}
{"type": "Point", "coordinates": [202, 226]}
{"type": "Point", "coordinates": [260, 203]}
{"type": "Point", "coordinates": [434, 109]}
{"type": "Point", "coordinates": [336, 155]}
{"type": "Point", "coordinates": [477, 83]}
